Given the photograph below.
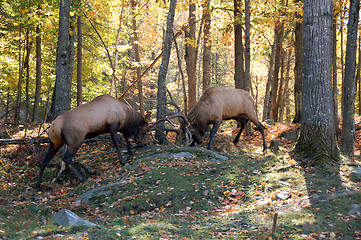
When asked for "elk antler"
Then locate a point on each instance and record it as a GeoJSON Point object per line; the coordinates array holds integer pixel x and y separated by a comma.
{"type": "Point", "coordinates": [169, 116]}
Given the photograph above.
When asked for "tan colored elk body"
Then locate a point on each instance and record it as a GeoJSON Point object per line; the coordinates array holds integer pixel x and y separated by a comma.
{"type": "Point", "coordinates": [219, 104]}
{"type": "Point", "coordinates": [104, 114]}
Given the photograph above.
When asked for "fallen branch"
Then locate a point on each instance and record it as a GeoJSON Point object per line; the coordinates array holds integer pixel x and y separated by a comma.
{"type": "Point", "coordinates": [45, 140]}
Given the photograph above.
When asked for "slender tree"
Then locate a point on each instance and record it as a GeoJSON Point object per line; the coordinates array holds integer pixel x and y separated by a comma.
{"type": "Point", "coordinates": [28, 44]}
{"type": "Point", "coordinates": [79, 76]}
{"type": "Point", "coordinates": [190, 56]}
{"type": "Point", "coordinates": [247, 53]}
{"type": "Point", "coordinates": [334, 74]}
{"type": "Point", "coordinates": [279, 30]}
{"type": "Point", "coordinates": [239, 74]}
{"type": "Point", "coordinates": [297, 90]}
{"type": "Point", "coordinates": [162, 91]}
{"type": "Point", "coordinates": [61, 98]}
{"type": "Point", "coordinates": [317, 140]}
{"type": "Point", "coordinates": [20, 81]}
{"type": "Point", "coordinates": [358, 78]}
{"type": "Point", "coordinates": [207, 46]}
{"type": "Point", "coordinates": [116, 51]}
{"type": "Point", "coordinates": [347, 143]}
{"type": "Point", "coordinates": [38, 70]}
{"type": "Point", "coordinates": [137, 59]}
{"type": "Point", "coordinates": [267, 98]}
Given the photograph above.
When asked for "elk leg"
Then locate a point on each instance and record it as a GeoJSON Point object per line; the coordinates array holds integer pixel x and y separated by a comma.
{"type": "Point", "coordinates": [243, 121]}
{"type": "Point", "coordinates": [129, 147]}
{"type": "Point", "coordinates": [49, 155]}
{"type": "Point", "coordinates": [113, 133]}
{"type": "Point", "coordinates": [213, 132]}
{"type": "Point", "coordinates": [260, 128]}
{"type": "Point", "coordinates": [68, 159]}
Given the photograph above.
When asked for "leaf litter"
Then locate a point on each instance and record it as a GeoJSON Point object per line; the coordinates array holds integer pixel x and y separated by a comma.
{"type": "Point", "coordinates": [186, 198]}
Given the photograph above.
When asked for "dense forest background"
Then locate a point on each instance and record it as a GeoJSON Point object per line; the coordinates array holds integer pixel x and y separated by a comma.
{"type": "Point", "coordinates": [244, 44]}
{"type": "Point", "coordinates": [299, 59]}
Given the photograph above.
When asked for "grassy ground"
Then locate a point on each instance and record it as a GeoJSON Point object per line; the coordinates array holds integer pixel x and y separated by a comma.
{"type": "Point", "coordinates": [196, 197]}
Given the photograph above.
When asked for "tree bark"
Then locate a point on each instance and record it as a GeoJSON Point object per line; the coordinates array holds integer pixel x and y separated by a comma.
{"type": "Point", "coordinates": [116, 52]}
{"type": "Point", "coordinates": [334, 76]}
{"type": "Point", "coordinates": [79, 76]}
{"type": "Point", "coordinates": [27, 74]}
{"type": "Point", "coordinates": [247, 53]}
{"type": "Point", "coordinates": [190, 56]}
{"type": "Point", "coordinates": [162, 92]}
{"type": "Point", "coordinates": [207, 47]}
{"type": "Point", "coordinates": [137, 60]}
{"type": "Point", "coordinates": [359, 76]}
{"type": "Point", "coordinates": [61, 98]}
{"type": "Point", "coordinates": [347, 143]}
{"type": "Point", "coordinates": [317, 140]}
{"type": "Point", "coordinates": [267, 97]}
{"type": "Point", "coordinates": [185, 105]}
{"type": "Point", "coordinates": [297, 90]}
{"type": "Point", "coordinates": [38, 73]}
{"type": "Point", "coordinates": [277, 64]}
{"type": "Point", "coordinates": [239, 74]}
{"type": "Point", "coordinates": [19, 92]}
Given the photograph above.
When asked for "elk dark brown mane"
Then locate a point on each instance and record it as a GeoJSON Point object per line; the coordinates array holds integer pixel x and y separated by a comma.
{"type": "Point", "coordinates": [104, 114]}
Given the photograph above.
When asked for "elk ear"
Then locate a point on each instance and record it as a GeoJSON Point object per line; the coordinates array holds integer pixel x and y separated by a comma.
{"type": "Point", "coordinates": [147, 117]}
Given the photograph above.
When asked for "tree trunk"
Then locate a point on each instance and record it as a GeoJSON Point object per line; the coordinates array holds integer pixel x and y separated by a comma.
{"type": "Point", "coordinates": [137, 60]}
{"type": "Point", "coordinates": [278, 48]}
{"type": "Point", "coordinates": [317, 140]}
{"type": "Point", "coordinates": [239, 74]}
{"type": "Point", "coordinates": [27, 75]}
{"type": "Point", "coordinates": [185, 105]}
{"type": "Point", "coordinates": [190, 56]}
{"type": "Point", "coordinates": [347, 143]}
{"type": "Point", "coordinates": [298, 67]}
{"type": "Point", "coordinates": [334, 76]}
{"type": "Point", "coordinates": [61, 98]}
{"type": "Point", "coordinates": [342, 58]}
{"type": "Point", "coordinates": [207, 47]}
{"type": "Point", "coordinates": [359, 76]}
{"type": "Point", "coordinates": [162, 91]}
{"type": "Point", "coordinates": [267, 97]}
{"type": "Point", "coordinates": [247, 53]}
{"type": "Point", "coordinates": [38, 74]}
{"type": "Point", "coordinates": [116, 53]}
{"type": "Point", "coordinates": [79, 75]}
{"type": "Point", "coordinates": [18, 95]}
{"type": "Point", "coordinates": [284, 92]}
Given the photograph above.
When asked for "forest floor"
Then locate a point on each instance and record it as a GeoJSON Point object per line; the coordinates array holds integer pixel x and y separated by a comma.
{"type": "Point", "coordinates": [182, 193]}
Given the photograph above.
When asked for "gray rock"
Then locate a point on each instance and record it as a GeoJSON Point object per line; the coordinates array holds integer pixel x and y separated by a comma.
{"type": "Point", "coordinates": [67, 218]}
{"type": "Point", "coordinates": [310, 227]}
{"type": "Point", "coordinates": [182, 155]}
{"type": "Point", "coordinates": [99, 192]}
{"type": "Point", "coordinates": [270, 122]}
{"type": "Point", "coordinates": [355, 210]}
{"type": "Point", "coordinates": [357, 172]}
{"type": "Point", "coordinates": [283, 195]}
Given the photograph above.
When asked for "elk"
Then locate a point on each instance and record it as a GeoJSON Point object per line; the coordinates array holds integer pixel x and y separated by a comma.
{"type": "Point", "coordinates": [218, 104]}
{"type": "Point", "coordinates": [104, 114]}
